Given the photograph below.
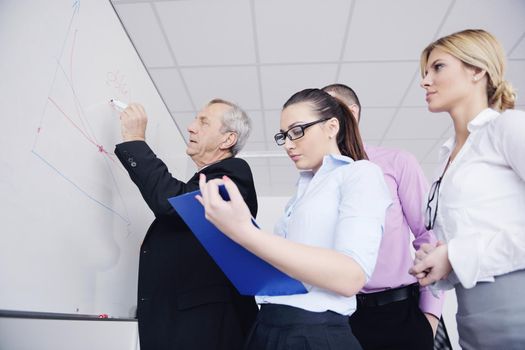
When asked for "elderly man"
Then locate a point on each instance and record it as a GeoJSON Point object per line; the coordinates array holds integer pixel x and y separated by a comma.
{"type": "Point", "coordinates": [184, 299]}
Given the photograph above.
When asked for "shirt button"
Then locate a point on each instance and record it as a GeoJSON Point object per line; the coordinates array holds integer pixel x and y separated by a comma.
{"type": "Point", "coordinates": [144, 251]}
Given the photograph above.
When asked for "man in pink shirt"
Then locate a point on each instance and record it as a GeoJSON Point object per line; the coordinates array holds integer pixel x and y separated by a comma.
{"type": "Point", "coordinates": [393, 311]}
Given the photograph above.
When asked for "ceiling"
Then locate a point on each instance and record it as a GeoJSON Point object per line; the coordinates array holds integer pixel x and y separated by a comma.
{"type": "Point", "coordinates": [259, 52]}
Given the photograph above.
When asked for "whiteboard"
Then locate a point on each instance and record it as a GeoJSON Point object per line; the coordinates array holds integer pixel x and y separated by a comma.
{"type": "Point", "coordinates": [71, 219]}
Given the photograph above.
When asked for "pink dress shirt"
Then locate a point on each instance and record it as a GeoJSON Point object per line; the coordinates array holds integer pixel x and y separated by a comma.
{"type": "Point", "coordinates": [408, 187]}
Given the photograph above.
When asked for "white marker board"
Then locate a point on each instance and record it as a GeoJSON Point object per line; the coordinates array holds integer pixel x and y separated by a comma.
{"type": "Point", "coordinates": [71, 220]}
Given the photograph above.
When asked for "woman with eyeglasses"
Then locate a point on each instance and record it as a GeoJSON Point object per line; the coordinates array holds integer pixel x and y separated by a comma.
{"type": "Point", "coordinates": [329, 235]}
{"type": "Point", "coordinates": [477, 205]}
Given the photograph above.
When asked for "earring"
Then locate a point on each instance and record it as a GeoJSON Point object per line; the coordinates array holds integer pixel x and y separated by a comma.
{"type": "Point", "coordinates": [330, 137]}
{"type": "Point", "coordinates": [475, 78]}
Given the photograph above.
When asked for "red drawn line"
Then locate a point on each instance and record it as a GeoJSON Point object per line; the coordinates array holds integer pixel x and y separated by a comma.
{"type": "Point", "coordinates": [99, 147]}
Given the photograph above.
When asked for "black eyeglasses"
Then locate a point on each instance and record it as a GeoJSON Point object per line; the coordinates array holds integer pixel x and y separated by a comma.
{"type": "Point", "coordinates": [295, 132]}
{"type": "Point", "coordinates": [431, 213]}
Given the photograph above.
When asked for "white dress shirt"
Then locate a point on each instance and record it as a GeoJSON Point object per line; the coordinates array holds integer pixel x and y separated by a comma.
{"type": "Point", "coordinates": [481, 210]}
{"type": "Point", "coordinates": [341, 207]}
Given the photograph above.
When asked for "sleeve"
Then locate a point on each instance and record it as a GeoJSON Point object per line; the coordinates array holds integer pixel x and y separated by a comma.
{"type": "Point", "coordinates": [151, 176]}
{"type": "Point", "coordinates": [412, 190]}
{"type": "Point", "coordinates": [364, 200]}
{"type": "Point", "coordinates": [239, 172]}
{"type": "Point", "coordinates": [476, 257]}
{"type": "Point", "coordinates": [508, 135]}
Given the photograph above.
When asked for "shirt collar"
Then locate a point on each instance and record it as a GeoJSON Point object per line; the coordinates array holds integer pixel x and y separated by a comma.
{"type": "Point", "coordinates": [330, 162]}
{"type": "Point", "coordinates": [482, 119]}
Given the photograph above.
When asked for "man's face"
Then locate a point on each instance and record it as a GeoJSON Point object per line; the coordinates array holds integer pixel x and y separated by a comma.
{"type": "Point", "coordinates": [206, 138]}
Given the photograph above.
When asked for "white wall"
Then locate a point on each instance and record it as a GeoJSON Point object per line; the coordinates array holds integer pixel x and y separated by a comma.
{"type": "Point", "coordinates": [270, 209]}
{"type": "Point", "coordinates": [56, 334]}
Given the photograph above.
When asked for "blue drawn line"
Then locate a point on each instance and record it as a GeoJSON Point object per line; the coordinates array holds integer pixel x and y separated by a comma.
{"type": "Point", "coordinates": [82, 115]}
{"type": "Point", "coordinates": [76, 5]}
{"type": "Point", "coordinates": [108, 165]}
{"type": "Point", "coordinates": [79, 188]}
{"type": "Point", "coordinates": [75, 11]}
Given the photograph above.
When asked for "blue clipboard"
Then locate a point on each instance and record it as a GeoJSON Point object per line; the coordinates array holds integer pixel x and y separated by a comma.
{"type": "Point", "coordinates": [249, 274]}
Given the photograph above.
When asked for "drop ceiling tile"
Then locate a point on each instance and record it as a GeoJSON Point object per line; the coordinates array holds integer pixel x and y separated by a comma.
{"type": "Point", "coordinates": [143, 28]}
{"type": "Point", "coordinates": [300, 30]}
{"type": "Point", "coordinates": [283, 161]}
{"type": "Point", "coordinates": [418, 123]}
{"type": "Point", "coordinates": [282, 189]}
{"type": "Point", "coordinates": [516, 76]}
{"type": "Point", "coordinates": [260, 176]}
{"type": "Point", "coordinates": [374, 122]}
{"type": "Point", "coordinates": [258, 126]}
{"type": "Point", "coordinates": [431, 171]}
{"type": "Point", "coordinates": [372, 142]}
{"type": "Point", "coordinates": [416, 94]}
{"type": "Point", "coordinates": [273, 148]}
{"type": "Point", "coordinates": [191, 168]}
{"type": "Point", "coordinates": [378, 84]}
{"type": "Point", "coordinates": [392, 30]}
{"type": "Point", "coordinates": [256, 162]}
{"type": "Point", "coordinates": [279, 83]}
{"type": "Point", "coordinates": [183, 120]}
{"type": "Point", "coordinates": [287, 174]}
{"type": "Point", "coordinates": [502, 18]}
{"type": "Point", "coordinates": [171, 88]}
{"type": "Point", "coordinates": [252, 147]}
{"type": "Point", "coordinates": [272, 119]}
{"type": "Point", "coordinates": [432, 155]}
{"type": "Point", "coordinates": [418, 148]}
{"type": "Point", "coordinates": [208, 32]}
{"type": "Point", "coordinates": [236, 84]}
{"type": "Point", "coordinates": [519, 50]}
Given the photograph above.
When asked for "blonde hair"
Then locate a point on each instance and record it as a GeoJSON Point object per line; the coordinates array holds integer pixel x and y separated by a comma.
{"type": "Point", "coordinates": [478, 49]}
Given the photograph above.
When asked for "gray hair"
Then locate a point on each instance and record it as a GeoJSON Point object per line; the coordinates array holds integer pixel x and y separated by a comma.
{"type": "Point", "coordinates": [235, 120]}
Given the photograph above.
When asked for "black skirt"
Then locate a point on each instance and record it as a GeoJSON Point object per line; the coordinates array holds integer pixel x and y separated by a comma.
{"type": "Point", "coordinates": [282, 327]}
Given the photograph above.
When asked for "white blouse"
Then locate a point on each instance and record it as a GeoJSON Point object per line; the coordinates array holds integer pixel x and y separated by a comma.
{"type": "Point", "coordinates": [481, 210]}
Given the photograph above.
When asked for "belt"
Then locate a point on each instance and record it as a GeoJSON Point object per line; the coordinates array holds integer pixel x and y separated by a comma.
{"type": "Point", "coordinates": [387, 296]}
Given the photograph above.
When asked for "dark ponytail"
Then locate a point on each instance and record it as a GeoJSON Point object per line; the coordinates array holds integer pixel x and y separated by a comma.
{"type": "Point", "coordinates": [349, 142]}
{"type": "Point", "coordinates": [349, 139]}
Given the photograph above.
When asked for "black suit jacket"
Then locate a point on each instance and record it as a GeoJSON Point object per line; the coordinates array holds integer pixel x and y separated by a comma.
{"type": "Point", "coordinates": [184, 300]}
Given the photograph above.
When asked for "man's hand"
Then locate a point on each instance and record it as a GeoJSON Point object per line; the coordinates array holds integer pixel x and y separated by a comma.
{"type": "Point", "coordinates": [433, 267]}
{"type": "Point", "coordinates": [423, 251]}
{"type": "Point", "coordinates": [434, 321]}
{"type": "Point", "coordinates": [231, 217]}
{"type": "Point", "coordinates": [133, 121]}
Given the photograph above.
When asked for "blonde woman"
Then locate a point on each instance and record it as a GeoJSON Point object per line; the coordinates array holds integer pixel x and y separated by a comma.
{"type": "Point", "coordinates": [476, 206]}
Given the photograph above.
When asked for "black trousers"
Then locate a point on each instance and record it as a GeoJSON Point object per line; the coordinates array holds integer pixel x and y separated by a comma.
{"type": "Point", "coordinates": [399, 325]}
{"type": "Point", "coordinates": [282, 327]}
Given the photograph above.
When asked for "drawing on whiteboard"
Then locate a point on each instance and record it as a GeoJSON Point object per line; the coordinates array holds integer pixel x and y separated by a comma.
{"type": "Point", "coordinates": [70, 135]}
{"type": "Point", "coordinates": [118, 81]}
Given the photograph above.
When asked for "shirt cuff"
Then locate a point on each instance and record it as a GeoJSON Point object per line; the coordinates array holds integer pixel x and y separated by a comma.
{"type": "Point", "coordinates": [464, 256]}
{"type": "Point", "coordinates": [431, 304]}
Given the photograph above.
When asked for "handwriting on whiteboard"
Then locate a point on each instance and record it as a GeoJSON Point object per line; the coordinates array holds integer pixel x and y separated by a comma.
{"type": "Point", "coordinates": [117, 80]}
